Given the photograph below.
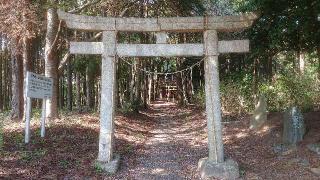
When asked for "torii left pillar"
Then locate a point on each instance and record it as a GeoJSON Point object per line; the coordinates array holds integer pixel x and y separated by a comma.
{"type": "Point", "coordinates": [106, 159]}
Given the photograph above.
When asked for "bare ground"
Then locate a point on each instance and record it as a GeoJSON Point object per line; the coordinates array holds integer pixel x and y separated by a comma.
{"type": "Point", "coordinates": [163, 142]}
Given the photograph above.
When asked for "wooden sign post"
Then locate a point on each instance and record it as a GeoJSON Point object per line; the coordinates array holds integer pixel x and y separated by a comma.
{"type": "Point", "coordinates": [39, 87]}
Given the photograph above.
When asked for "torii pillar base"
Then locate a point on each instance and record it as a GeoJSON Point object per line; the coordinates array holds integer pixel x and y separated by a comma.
{"type": "Point", "coordinates": [110, 167]}
{"type": "Point", "coordinates": [228, 169]}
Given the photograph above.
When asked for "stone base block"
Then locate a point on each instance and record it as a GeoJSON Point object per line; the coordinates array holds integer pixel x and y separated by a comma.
{"type": "Point", "coordinates": [227, 170]}
{"type": "Point", "coordinates": [112, 166]}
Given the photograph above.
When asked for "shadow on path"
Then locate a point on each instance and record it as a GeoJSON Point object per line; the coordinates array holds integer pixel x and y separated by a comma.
{"type": "Point", "coordinates": [163, 142]}
{"type": "Point", "coordinates": [169, 153]}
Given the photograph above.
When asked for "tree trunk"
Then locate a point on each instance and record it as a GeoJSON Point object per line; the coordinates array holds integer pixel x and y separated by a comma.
{"type": "Point", "coordinates": [137, 85]}
{"type": "Point", "coordinates": [138, 81]}
{"type": "Point", "coordinates": [154, 85]}
{"type": "Point", "coordinates": [179, 84]}
{"type": "Point", "coordinates": [1, 70]}
{"type": "Point", "coordinates": [301, 62]}
{"type": "Point", "coordinates": [92, 91]}
{"type": "Point", "coordinates": [7, 84]}
{"type": "Point", "coordinates": [119, 92]}
{"type": "Point", "coordinates": [1, 93]}
{"type": "Point", "coordinates": [191, 83]}
{"type": "Point", "coordinates": [145, 86]}
{"type": "Point", "coordinates": [150, 81]}
{"type": "Point", "coordinates": [184, 88]}
{"type": "Point", "coordinates": [78, 91]}
{"type": "Point", "coordinates": [61, 92]}
{"type": "Point", "coordinates": [132, 81]}
{"type": "Point", "coordinates": [88, 89]}
{"type": "Point", "coordinates": [98, 97]}
{"type": "Point", "coordinates": [269, 68]}
{"type": "Point", "coordinates": [318, 52]}
{"type": "Point", "coordinates": [84, 91]}
{"type": "Point", "coordinates": [17, 86]}
{"type": "Point", "coordinates": [51, 59]}
{"type": "Point", "coordinates": [27, 56]}
{"type": "Point", "coordinates": [255, 77]}
{"type": "Point", "coordinates": [69, 94]}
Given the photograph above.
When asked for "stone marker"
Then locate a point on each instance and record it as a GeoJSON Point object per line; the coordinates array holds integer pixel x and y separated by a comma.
{"type": "Point", "coordinates": [314, 148]}
{"type": "Point", "coordinates": [293, 126]}
{"type": "Point", "coordinates": [284, 149]}
{"type": "Point", "coordinates": [299, 161]}
{"type": "Point", "coordinates": [260, 114]}
{"type": "Point", "coordinates": [315, 171]}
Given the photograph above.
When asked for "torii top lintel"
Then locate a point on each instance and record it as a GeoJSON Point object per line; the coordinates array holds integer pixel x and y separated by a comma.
{"type": "Point", "coordinates": [168, 24]}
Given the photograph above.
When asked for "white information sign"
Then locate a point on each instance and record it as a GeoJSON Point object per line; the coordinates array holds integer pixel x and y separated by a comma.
{"type": "Point", "coordinates": [39, 86]}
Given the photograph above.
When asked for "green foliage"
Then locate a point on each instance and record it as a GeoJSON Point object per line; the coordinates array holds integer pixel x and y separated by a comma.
{"type": "Point", "coordinates": [200, 98]}
{"type": "Point", "coordinates": [127, 149]}
{"type": "Point", "coordinates": [3, 116]}
{"type": "Point", "coordinates": [18, 138]}
{"type": "Point", "coordinates": [236, 93]}
{"type": "Point", "coordinates": [36, 113]}
{"type": "Point", "coordinates": [234, 100]}
{"type": "Point", "coordinates": [218, 7]}
{"type": "Point", "coordinates": [28, 156]}
{"type": "Point", "coordinates": [283, 25]}
{"type": "Point", "coordinates": [98, 168]}
{"type": "Point", "coordinates": [65, 5]}
{"type": "Point", "coordinates": [129, 107]}
{"type": "Point", "coordinates": [64, 163]}
{"type": "Point", "coordinates": [126, 108]}
{"type": "Point", "coordinates": [82, 62]}
{"type": "Point", "coordinates": [290, 89]}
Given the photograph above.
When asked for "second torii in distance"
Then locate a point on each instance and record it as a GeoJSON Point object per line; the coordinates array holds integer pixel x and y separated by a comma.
{"type": "Point", "coordinates": [216, 165]}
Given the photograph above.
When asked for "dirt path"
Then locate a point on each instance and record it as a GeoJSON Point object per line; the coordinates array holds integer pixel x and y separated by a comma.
{"type": "Point", "coordinates": [162, 142]}
{"type": "Point", "coordinates": [160, 159]}
{"type": "Point", "coordinates": [163, 156]}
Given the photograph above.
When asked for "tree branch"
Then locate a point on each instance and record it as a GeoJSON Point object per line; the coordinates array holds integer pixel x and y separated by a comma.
{"type": "Point", "coordinates": [66, 57]}
{"type": "Point", "coordinates": [63, 62]}
{"type": "Point", "coordinates": [56, 38]}
{"type": "Point", "coordinates": [79, 9]}
{"type": "Point", "coordinates": [129, 6]}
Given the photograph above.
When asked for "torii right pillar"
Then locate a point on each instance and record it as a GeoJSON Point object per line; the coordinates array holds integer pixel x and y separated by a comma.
{"type": "Point", "coordinates": [216, 165]}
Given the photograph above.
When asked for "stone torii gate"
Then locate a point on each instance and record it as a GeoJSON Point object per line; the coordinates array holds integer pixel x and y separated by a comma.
{"type": "Point", "coordinates": [216, 165]}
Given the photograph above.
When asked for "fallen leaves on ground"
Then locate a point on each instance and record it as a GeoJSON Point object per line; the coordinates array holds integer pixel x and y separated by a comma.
{"type": "Point", "coordinates": [164, 142]}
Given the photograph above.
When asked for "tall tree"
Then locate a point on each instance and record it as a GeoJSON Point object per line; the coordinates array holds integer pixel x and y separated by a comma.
{"type": "Point", "coordinates": [19, 23]}
{"type": "Point", "coordinates": [69, 87]}
{"type": "Point", "coordinates": [51, 57]}
{"type": "Point", "coordinates": [17, 85]}
{"type": "Point", "coordinates": [1, 70]}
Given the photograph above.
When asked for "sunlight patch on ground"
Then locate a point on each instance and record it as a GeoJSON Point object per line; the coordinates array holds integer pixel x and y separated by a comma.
{"type": "Point", "coordinates": [159, 171]}
{"type": "Point", "coordinates": [241, 135]}
{"type": "Point", "coordinates": [172, 135]}
{"type": "Point", "coordinates": [264, 130]}
{"type": "Point", "coordinates": [161, 104]}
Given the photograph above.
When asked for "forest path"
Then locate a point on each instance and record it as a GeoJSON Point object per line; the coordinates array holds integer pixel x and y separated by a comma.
{"type": "Point", "coordinates": [161, 157]}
